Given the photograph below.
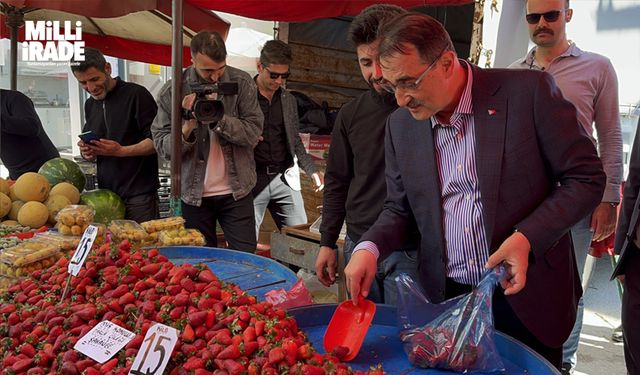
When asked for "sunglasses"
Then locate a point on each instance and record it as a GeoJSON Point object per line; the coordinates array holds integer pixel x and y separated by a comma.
{"type": "Point", "coordinates": [551, 16]}
{"type": "Point", "coordinates": [274, 75]}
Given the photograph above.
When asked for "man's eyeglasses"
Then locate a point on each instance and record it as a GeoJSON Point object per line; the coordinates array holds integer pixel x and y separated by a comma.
{"type": "Point", "coordinates": [408, 84]}
{"type": "Point", "coordinates": [551, 16]}
{"type": "Point", "coordinates": [274, 75]}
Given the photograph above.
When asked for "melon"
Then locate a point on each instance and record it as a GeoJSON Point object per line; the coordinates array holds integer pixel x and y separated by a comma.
{"type": "Point", "coordinates": [54, 204]}
{"type": "Point", "coordinates": [15, 208]}
{"type": "Point", "coordinates": [5, 204]}
{"type": "Point", "coordinates": [12, 194]}
{"type": "Point", "coordinates": [59, 170]}
{"type": "Point", "coordinates": [10, 222]}
{"type": "Point", "coordinates": [33, 214]}
{"type": "Point", "coordinates": [4, 186]}
{"type": "Point", "coordinates": [32, 186]}
{"type": "Point", "coordinates": [68, 190]}
{"type": "Point", "coordinates": [107, 205]}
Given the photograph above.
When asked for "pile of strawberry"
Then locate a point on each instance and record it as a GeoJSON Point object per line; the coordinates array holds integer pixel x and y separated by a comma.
{"type": "Point", "coordinates": [223, 330]}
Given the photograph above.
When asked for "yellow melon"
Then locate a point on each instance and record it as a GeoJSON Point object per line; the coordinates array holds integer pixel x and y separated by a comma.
{"type": "Point", "coordinates": [4, 186]}
{"type": "Point", "coordinates": [12, 194]}
{"type": "Point", "coordinates": [68, 190]}
{"type": "Point", "coordinates": [32, 186]}
{"type": "Point", "coordinates": [33, 214]}
{"type": "Point", "coordinates": [9, 222]}
{"type": "Point", "coordinates": [54, 204]}
{"type": "Point", "coordinates": [15, 207]}
{"type": "Point", "coordinates": [5, 204]}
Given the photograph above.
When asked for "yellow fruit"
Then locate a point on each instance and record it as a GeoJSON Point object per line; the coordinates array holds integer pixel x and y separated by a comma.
{"type": "Point", "coordinates": [4, 186]}
{"type": "Point", "coordinates": [12, 193]}
{"type": "Point", "coordinates": [54, 204]}
{"type": "Point", "coordinates": [33, 214]}
{"type": "Point", "coordinates": [32, 186]}
{"type": "Point", "coordinates": [9, 222]}
{"type": "Point", "coordinates": [68, 190]}
{"type": "Point", "coordinates": [15, 207]}
{"type": "Point", "coordinates": [64, 229]}
{"type": "Point", "coordinates": [76, 230]}
{"type": "Point", "coordinates": [5, 204]}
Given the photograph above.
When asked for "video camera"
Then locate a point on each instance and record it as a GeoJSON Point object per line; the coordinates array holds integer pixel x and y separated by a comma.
{"type": "Point", "coordinates": [206, 110]}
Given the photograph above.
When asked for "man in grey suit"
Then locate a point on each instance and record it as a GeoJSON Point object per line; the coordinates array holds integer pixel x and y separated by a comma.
{"type": "Point", "coordinates": [495, 169]}
{"type": "Point", "coordinates": [627, 244]}
{"type": "Point", "coordinates": [278, 186]}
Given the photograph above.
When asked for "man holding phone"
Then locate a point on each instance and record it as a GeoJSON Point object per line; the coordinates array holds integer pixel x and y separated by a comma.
{"type": "Point", "coordinates": [117, 135]}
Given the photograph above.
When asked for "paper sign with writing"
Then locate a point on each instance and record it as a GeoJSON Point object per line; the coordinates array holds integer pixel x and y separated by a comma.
{"type": "Point", "coordinates": [82, 250]}
{"type": "Point", "coordinates": [103, 341]}
{"type": "Point", "coordinates": [155, 351]}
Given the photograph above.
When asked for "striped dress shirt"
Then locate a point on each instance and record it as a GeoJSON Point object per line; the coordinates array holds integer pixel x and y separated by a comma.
{"type": "Point", "coordinates": [464, 227]}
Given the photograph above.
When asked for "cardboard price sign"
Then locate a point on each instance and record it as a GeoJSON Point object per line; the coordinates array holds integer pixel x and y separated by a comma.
{"type": "Point", "coordinates": [155, 351]}
{"type": "Point", "coordinates": [103, 341]}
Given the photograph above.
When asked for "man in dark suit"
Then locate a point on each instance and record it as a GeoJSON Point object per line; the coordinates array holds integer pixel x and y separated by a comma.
{"type": "Point", "coordinates": [628, 270]}
{"type": "Point", "coordinates": [495, 168]}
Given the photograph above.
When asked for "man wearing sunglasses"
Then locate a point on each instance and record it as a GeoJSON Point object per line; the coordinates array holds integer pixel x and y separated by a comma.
{"type": "Point", "coordinates": [589, 82]}
{"type": "Point", "coordinates": [494, 168]}
{"type": "Point", "coordinates": [280, 148]}
{"type": "Point", "coordinates": [218, 170]}
{"type": "Point", "coordinates": [355, 186]}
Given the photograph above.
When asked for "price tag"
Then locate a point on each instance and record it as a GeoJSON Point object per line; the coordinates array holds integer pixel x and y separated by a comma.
{"type": "Point", "coordinates": [103, 341]}
{"type": "Point", "coordinates": [82, 250]}
{"type": "Point", "coordinates": [155, 351]}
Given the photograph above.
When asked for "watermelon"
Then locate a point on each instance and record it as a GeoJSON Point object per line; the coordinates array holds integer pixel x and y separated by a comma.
{"type": "Point", "coordinates": [107, 204]}
{"type": "Point", "coordinates": [63, 170]}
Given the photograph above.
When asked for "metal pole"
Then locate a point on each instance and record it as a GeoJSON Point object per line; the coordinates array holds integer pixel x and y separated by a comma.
{"type": "Point", "coordinates": [15, 20]}
{"type": "Point", "coordinates": [176, 107]}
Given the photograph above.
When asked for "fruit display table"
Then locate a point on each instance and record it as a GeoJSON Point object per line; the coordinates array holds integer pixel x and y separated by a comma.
{"type": "Point", "coordinates": [382, 344]}
{"type": "Point", "coordinates": [254, 274]}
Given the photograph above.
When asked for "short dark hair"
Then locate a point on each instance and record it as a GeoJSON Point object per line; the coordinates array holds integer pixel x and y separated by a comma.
{"type": "Point", "coordinates": [93, 58]}
{"type": "Point", "coordinates": [209, 43]}
{"type": "Point", "coordinates": [364, 27]}
{"type": "Point", "coordinates": [423, 32]}
{"type": "Point", "coordinates": [275, 52]}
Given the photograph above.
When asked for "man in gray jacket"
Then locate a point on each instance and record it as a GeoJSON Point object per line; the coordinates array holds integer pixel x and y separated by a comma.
{"type": "Point", "coordinates": [278, 186]}
{"type": "Point", "coordinates": [218, 170]}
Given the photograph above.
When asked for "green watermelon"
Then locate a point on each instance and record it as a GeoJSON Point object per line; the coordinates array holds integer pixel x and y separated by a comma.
{"type": "Point", "coordinates": [107, 204]}
{"type": "Point", "coordinates": [63, 170]}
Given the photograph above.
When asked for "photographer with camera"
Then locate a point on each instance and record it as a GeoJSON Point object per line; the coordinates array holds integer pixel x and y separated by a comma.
{"type": "Point", "coordinates": [278, 187]}
{"type": "Point", "coordinates": [221, 126]}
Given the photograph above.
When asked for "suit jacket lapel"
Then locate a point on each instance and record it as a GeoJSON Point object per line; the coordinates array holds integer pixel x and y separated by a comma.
{"type": "Point", "coordinates": [490, 120]}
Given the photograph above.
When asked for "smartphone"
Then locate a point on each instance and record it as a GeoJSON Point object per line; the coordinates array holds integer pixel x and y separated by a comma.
{"type": "Point", "coordinates": [88, 137]}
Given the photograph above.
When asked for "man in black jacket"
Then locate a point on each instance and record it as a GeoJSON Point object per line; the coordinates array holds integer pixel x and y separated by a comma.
{"type": "Point", "coordinates": [24, 145]}
{"type": "Point", "coordinates": [355, 187]}
{"type": "Point", "coordinates": [120, 113]}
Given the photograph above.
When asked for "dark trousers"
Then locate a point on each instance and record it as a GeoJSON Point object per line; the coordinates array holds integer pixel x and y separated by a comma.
{"type": "Point", "coordinates": [142, 207]}
{"type": "Point", "coordinates": [631, 310]}
{"type": "Point", "coordinates": [507, 322]}
{"type": "Point", "coordinates": [236, 218]}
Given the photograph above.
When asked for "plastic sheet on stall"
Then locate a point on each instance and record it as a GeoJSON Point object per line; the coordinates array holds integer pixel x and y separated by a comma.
{"type": "Point", "coordinates": [461, 338]}
{"type": "Point", "coordinates": [297, 296]}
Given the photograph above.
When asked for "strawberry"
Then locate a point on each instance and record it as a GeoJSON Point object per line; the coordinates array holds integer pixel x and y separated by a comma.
{"type": "Point", "coordinates": [230, 352]}
{"type": "Point", "coordinates": [188, 335]}
{"type": "Point", "coordinates": [290, 349]}
{"type": "Point", "coordinates": [194, 363]}
{"type": "Point", "coordinates": [311, 370]}
{"type": "Point", "coordinates": [197, 318]}
{"type": "Point", "coordinates": [305, 351]}
{"type": "Point", "coordinates": [276, 355]}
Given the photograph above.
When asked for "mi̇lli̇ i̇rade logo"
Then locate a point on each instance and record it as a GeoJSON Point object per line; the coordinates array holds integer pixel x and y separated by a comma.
{"type": "Point", "coordinates": [46, 43]}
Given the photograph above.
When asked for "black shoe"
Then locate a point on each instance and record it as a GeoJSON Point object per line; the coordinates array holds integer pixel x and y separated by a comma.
{"type": "Point", "coordinates": [617, 335]}
{"type": "Point", "coordinates": [566, 369]}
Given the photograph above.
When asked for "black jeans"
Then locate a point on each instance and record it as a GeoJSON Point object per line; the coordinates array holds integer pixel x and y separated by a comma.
{"type": "Point", "coordinates": [506, 321]}
{"type": "Point", "coordinates": [142, 207]}
{"type": "Point", "coordinates": [236, 217]}
{"type": "Point", "coordinates": [631, 310]}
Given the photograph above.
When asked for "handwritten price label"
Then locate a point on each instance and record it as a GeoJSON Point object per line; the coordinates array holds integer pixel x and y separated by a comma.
{"type": "Point", "coordinates": [82, 250]}
{"type": "Point", "coordinates": [103, 341]}
{"type": "Point", "coordinates": [155, 351]}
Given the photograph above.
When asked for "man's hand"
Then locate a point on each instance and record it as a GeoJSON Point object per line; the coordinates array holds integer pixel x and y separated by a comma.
{"type": "Point", "coordinates": [318, 180]}
{"type": "Point", "coordinates": [188, 100]}
{"type": "Point", "coordinates": [326, 264]}
{"type": "Point", "coordinates": [603, 221]}
{"type": "Point", "coordinates": [106, 147]}
{"type": "Point", "coordinates": [359, 273]}
{"type": "Point", "coordinates": [86, 152]}
{"type": "Point", "coordinates": [514, 252]}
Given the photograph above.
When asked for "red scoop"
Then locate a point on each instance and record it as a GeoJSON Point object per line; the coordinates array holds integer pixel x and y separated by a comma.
{"type": "Point", "coordinates": [348, 327]}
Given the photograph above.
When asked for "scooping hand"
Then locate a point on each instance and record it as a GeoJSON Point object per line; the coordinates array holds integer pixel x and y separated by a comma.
{"type": "Point", "coordinates": [359, 274]}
